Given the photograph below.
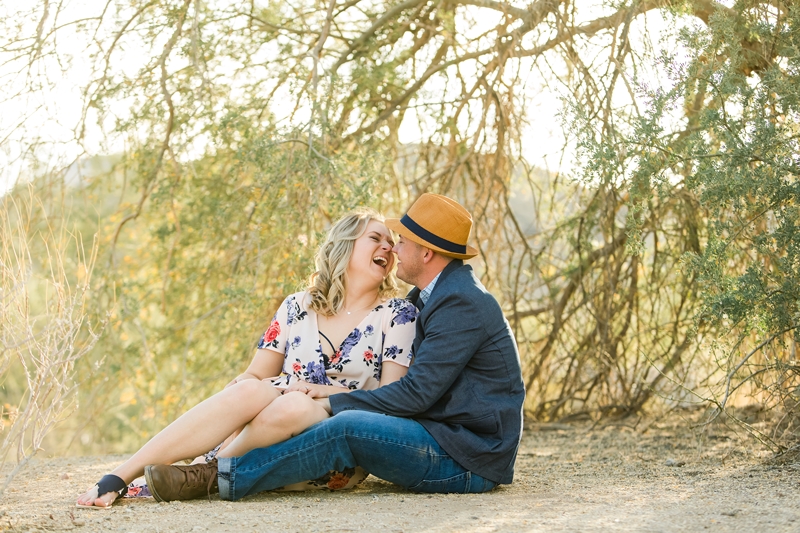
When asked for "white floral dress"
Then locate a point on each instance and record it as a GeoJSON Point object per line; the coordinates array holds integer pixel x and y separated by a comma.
{"type": "Point", "coordinates": [385, 334]}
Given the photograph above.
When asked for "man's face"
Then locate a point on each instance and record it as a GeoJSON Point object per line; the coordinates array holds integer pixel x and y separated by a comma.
{"type": "Point", "coordinates": [409, 260]}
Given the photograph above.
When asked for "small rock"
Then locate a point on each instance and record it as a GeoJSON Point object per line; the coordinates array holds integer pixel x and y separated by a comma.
{"type": "Point", "coordinates": [78, 523]}
{"type": "Point", "coordinates": [731, 513]}
{"type": "Point", "coordinates": [673, 462]}
{"type": "Point", "coordinates": [65, 476]}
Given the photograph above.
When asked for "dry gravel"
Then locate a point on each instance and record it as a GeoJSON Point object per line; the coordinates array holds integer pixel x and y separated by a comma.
{"type": "Point", "coordinates": [568, 478]}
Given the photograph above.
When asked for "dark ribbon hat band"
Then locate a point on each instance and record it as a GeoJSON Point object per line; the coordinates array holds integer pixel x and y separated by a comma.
{"type": "Point", "coordinates": [421, 232]}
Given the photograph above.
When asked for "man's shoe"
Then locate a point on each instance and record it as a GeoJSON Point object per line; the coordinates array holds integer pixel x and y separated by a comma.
{"type": "Point", "coordinates": [189, 482]}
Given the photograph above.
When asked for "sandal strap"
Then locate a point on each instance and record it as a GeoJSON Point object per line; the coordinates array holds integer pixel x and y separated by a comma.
{"type": "Point", "coordinates": [111, 483]}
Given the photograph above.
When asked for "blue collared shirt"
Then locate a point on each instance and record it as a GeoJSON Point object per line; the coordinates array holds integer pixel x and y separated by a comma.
{"type": "Point", "coordinates": [425, 293]}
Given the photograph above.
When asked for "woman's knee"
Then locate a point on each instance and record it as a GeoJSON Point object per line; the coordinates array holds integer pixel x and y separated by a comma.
{"type": "Point", "coordinates": [287, 410]}
{"type": "Point", "coordinates": [251, 393]}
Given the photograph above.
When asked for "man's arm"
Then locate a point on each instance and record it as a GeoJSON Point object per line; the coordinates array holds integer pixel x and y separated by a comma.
{"type": "Point", "coordinates": [453, 333]}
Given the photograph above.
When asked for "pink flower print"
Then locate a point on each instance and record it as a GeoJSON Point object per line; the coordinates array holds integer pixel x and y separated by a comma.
{"type": "Point", "coordinates": [273, 332]}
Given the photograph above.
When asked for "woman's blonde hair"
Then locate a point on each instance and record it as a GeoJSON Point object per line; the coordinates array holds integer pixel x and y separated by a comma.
{"type": "Point", "coordinates": [327, 285]}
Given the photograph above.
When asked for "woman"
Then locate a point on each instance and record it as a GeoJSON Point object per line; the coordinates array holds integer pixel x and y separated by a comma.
{"type": "Point", "coordinates": [346, 305]}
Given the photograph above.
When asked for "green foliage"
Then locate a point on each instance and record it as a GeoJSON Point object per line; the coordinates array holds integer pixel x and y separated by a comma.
{"type": "Point", "coordinates": [734, 151]}
{"type": "Point", "coordinates": [197, 276]}
{"type": "Point", "coordinates": [248, 127]}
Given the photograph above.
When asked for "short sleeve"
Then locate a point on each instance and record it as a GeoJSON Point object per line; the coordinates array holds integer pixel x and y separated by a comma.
{"type": "Point", "coordinates": [399, 332]}
{"type": "Point", "coordinates": [278, 331]}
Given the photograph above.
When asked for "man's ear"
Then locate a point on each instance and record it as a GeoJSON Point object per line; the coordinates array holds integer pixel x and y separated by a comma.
{"type": "Point", "coordinates": [427, 255]}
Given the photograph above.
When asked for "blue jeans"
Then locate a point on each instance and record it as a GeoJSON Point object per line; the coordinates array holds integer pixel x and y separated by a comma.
{"type": "Point", "coordinates": [398, 450]}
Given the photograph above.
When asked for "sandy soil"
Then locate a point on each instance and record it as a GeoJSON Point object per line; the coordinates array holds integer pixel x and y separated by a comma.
{"type": "Point", "coordinates": [568, 478]}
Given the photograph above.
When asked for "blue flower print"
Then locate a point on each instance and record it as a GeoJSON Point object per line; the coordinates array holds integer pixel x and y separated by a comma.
{"type": "Point", "coordinates": [392, 352]}
{"type": "Point", "coordinates": [293, 312]}
{"type": "Point", "coordinates": [296, 342]}
{"type": "Point", "coordinates": [352, 385]}
{"type": "Point", "coordinates": [403, 312]}
{"type": "Point", "coordinates": [349, 342]}
{"type": "Point", "coordinates": [369, 330]}
{"type": "Point", "coordinates": [315, 373]}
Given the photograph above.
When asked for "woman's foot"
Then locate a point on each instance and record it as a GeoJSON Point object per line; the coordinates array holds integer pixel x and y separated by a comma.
{"type": "Point", "coordinates": [90, 498]}
{"type": "Point", "coordinates": [104, 493]}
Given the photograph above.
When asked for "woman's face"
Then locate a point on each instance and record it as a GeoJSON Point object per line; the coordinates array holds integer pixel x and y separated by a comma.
{"type": "Point", "coordinates": [372, 257]}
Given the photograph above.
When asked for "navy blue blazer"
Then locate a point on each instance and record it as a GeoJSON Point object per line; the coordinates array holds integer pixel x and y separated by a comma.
{"type": "Point", "coordinates": [465, 384]}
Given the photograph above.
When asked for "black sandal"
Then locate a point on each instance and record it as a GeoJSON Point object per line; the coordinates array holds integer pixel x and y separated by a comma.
{"type": "Point", "coordinates": [108, 483]}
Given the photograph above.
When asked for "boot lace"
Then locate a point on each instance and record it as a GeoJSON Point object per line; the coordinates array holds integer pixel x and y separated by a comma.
{"type": "Point", "coordinates": [202, 475]}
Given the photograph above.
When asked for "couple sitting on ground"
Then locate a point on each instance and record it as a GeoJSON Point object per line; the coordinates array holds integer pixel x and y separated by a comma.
{"type": "Point", "coordinates": [433, 382]}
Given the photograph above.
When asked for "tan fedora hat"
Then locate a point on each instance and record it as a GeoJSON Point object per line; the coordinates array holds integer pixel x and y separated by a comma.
{"type": "Point", "coordinates": [439, 223]}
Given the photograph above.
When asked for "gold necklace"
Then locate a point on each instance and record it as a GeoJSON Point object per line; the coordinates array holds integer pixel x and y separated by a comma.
{"type": "Point", "coordinates": [359, 310]}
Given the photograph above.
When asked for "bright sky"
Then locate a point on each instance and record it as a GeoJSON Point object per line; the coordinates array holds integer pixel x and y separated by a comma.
{"type": "Point", "coordinates": [53, 112]}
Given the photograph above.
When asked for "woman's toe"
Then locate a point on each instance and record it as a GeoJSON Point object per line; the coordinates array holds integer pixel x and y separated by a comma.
{"type": "Point", "coordinates": [88, 497]}
{"type": "Point", "coordinates": [106, 499]}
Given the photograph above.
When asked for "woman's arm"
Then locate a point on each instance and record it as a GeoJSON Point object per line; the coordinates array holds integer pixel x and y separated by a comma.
{"type": "Point", "coordinates": [266, 363]}
{"type": "Point", "coordinates": [391, 372]}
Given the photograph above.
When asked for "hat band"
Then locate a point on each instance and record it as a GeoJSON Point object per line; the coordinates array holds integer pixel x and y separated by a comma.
{"type": "Point", "coordinates": [421, 232]}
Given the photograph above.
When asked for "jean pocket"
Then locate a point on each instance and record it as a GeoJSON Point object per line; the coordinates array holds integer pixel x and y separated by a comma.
{"type": "Point", "coordinates": [458, 484]}
{"type": "Point", "coordinates": [462, 484]}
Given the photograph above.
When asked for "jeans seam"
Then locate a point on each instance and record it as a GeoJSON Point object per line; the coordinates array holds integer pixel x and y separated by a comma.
{"type": "Point", "coordinates": [467, 474]}
{"type": "Point", "coordinates": [300, 450]}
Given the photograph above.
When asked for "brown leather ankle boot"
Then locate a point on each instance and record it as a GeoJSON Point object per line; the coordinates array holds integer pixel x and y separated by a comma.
{"type": "Point", "coordinates": [184, 482]}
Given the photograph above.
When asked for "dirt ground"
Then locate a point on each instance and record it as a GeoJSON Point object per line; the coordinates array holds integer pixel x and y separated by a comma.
{"type": "Point", "coordinates": [656, 477]}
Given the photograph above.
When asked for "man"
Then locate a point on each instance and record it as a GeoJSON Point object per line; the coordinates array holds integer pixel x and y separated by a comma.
{"type": "Point", "coordinates": [452, 424]}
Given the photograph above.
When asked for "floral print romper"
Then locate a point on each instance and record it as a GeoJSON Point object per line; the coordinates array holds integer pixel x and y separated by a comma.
{"type": "Point", "coordinates": [385, 334]}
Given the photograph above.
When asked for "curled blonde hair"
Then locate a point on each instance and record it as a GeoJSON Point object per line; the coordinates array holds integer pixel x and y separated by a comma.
{"type": "Point", "coordinates": [327, 285]}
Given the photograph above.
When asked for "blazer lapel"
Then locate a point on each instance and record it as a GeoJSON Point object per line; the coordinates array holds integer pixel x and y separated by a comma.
{"type": "Point", "coordinates": [413, 296]}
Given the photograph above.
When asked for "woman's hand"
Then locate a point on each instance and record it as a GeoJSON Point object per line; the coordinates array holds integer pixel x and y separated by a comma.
{"type": "Point", "coordinates": [265, 363]}
{"type": "Point", "coordinates": [240, 377]}
{"type": "Point", "coordinates": [326, 404]}
{"type": "Point", "coordinates": [314, 391]}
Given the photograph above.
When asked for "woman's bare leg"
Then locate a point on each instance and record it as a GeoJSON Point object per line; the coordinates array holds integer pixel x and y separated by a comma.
{"type": "Point", "coordinates": [198, 430]}
{"type": "Point", "coordinates": [282, 419]}
{"type": "Point", "coordinates": [202, 457]}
